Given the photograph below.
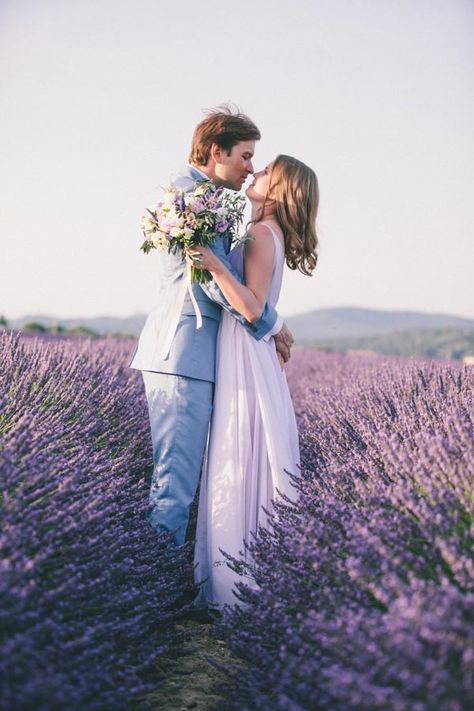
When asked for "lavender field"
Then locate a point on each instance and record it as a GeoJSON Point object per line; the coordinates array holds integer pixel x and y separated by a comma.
{"type": "Point", "coordinates": [88, 596]}
{"type": "Point", "coordinates": [366, 586]}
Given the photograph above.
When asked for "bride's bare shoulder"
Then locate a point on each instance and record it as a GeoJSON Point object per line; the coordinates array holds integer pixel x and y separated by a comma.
{"type": "Point", "coordinates": [258, 229]}
{"type": "Point", "coordinates": [259, 237]}
{"type": "Point", "coordinates": [263, 233]}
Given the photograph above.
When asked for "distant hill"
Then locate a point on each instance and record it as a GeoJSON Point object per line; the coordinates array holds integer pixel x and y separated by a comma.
{"type": "Point", "coordinates": [444, 343]}
{"type": "Point", "coordinates": [321, 324]}
{"type": "Point", "coordinates": [339, 328]}
{"type": "Point", "coordinates": [353, 322]}
{"type": "Point", "coordinates": [128, 325]}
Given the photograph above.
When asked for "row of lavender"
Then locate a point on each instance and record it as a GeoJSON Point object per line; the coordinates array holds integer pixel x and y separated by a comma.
{"type": "Point", "coordinates": [366, 594]}
{"type": "Point", "coordinates": [87, 594]}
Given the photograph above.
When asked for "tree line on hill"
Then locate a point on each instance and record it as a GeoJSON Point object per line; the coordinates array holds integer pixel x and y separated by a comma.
{"type": "Point", "coordinates": [446, 343]}
{"type": "Point", "coordinates": [438, 343]}
{"type": "Point", "coordinates": [56, 329]}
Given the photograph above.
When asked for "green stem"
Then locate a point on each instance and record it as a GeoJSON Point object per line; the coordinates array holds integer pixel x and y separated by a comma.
{"type": "Point", "coordinates": [200, 276]}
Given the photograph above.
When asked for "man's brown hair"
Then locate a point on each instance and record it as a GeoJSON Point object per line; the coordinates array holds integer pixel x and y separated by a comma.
{"type": "Point", "coordinates": [224, 126]}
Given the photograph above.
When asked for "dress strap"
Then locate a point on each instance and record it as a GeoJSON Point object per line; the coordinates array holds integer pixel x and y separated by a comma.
{"type": "Point", "coordinates": [275, 236]}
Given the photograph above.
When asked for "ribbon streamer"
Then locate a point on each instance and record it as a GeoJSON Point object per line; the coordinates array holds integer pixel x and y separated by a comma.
{"type": "Point", "coordinates": [185, 286]}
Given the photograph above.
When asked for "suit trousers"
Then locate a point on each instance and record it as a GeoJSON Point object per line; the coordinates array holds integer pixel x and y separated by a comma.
{"type": "Point", "coordinates": [180, 411]}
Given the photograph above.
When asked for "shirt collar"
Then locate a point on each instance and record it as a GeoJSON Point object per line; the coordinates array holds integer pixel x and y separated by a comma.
{"type": "Point", "coordinates": [206, 177]}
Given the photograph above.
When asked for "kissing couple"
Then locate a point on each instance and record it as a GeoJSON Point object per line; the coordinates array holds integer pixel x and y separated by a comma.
{"type": "Point", "coordinates": [218, 400]}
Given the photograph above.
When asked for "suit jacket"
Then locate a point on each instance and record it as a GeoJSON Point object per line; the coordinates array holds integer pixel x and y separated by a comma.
{"type": "Point", "coordinates": [193, 351]}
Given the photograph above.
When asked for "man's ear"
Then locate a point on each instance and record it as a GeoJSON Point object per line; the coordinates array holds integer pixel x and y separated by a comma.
{"type": "Point", "coordinates": [216, 153]}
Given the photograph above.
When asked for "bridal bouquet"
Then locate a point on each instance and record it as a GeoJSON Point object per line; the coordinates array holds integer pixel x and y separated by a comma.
{"type": "Point", "coordinates": [186, 219]}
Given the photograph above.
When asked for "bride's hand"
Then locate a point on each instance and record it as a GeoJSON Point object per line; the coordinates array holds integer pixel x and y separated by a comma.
{"type": "Point", "coordinates": [202, 258]}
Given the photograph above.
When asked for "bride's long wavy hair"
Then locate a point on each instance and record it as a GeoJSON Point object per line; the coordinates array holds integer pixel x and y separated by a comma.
{"type": "Point", "coordinates": [294, 189]}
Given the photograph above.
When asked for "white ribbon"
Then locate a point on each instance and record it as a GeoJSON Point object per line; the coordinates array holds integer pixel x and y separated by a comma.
{"type": "Point", "coordinates": [194, 302]}
{"type": "Point", "coordinates": [185, 286]}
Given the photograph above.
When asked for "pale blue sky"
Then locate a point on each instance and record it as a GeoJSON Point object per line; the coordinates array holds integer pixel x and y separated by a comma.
{"type": "Point", "coordinates": [98, 101]}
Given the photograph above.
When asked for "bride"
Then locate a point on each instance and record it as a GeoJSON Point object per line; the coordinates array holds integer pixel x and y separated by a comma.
{"type": "Point", "coordinates": [253, 438]}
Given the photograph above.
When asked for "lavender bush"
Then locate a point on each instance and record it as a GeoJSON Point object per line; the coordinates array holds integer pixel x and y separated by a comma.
{"type": "Point", "coordinates": [87, 590]}
{"type": "Point", "coordinates": [366, 596]}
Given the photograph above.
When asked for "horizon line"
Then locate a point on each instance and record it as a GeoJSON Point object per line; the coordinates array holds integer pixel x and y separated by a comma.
{"type": "Point", "coordinates": [284, 315]}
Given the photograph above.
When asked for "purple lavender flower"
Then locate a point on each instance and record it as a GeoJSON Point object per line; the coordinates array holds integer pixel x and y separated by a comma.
{"type": "Point", "coordinates": [222, 226]}
{"type": "Point", "coordinates": [365, 586]}
{"type": "Point", "coordinates": [87, 589]}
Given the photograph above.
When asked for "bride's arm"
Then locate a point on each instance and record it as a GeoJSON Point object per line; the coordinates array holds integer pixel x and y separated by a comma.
{"type": "Point", "coordinates": [248, 299]}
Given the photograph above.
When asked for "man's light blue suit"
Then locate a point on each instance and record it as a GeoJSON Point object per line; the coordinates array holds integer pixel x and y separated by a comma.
{"type": "Point", "coordinates": [179, 387]}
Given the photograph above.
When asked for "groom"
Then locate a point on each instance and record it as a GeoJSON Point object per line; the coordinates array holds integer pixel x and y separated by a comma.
{"type": "Point", "coordinates": [178, 365]}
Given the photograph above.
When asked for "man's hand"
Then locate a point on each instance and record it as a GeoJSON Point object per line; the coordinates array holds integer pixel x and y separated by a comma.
{"type": "Point", "coordinates": [283, 341]}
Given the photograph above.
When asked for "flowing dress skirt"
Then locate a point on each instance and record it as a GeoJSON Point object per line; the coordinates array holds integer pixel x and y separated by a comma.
{"type": "Point", "coordinates": [253, 440]}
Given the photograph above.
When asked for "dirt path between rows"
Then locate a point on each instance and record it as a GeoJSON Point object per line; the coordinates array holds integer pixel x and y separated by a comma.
{"type": "Point", "coordinates": [189, 681]}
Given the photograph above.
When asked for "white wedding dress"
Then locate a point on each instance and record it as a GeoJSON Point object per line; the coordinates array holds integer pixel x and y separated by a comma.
{"type": "Point", "coordinates": [253, 440]}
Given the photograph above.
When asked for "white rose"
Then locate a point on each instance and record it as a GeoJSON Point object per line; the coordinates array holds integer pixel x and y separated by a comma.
{"type": "Point", "coordinates": [148, 225]}
{"type": "Point", "coordinates": [159, 240]}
